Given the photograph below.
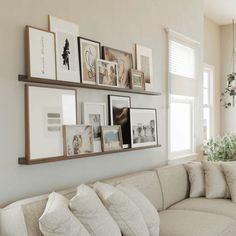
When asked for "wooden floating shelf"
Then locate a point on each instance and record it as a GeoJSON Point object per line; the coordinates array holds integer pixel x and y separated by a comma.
{"type": "Point", "coordinates": [24, 161]}
{"type": "Point", "coordinates": [25, 78]}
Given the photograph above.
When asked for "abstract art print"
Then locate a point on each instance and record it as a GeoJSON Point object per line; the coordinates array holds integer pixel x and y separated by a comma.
{"type": "Point", "coordinates": [111, 138]}
{"type": "Point", "coordinates": [124, 61]}
{"type": "Point", "coordinates": [143, 126]}
{"type": "Point", "coordinates": [119, 115]}
{"type": "Point", "coordinates": [107, 73]}
{"type": "Point", "coordinates": [137, 81]}
{"type": "Point", "coordinates": [89, 52]}
{"type": "Point", "coordinates": [66, 49]}
{"type": "Point", "coordinates": [78, 139]}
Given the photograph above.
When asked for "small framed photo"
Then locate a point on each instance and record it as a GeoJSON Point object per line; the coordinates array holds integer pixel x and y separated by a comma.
{"type": "Point", "coordinates": [89, 52]}
{"type": "Point", "coordinates": [137, 81]}
{"type": "Point", "coordinates": [107, 73]}
{"type": "Point", "coordinates": [144, 63]}
{"type": "Point", "coordinates": [95, 114]}
{"type": "Point", "coordinates": [66, 49]}
{"type": "Point", "coordinates": [78, 139]}
{"type": "Point", "coordinates": [40, 53]}
{"type": "Point", "coordinates": [124, 61]}
{"type": "Point", "coordinates": [111, 138]}
{"type": "Point", "coordinates": [143, 125]}
{"type": "Point", "coordinates": [119, 115]}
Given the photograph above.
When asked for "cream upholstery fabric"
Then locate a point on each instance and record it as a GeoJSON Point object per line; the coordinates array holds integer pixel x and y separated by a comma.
{"type": "Point", "coordinates": [196, 179]}
{"type": "Point", "coordinates": [57, 219]}
{"type": "Point", "coordinates": [123, 210]}
{"type": "Point", "coordinates": [215, 183]}
{"type": "Point", "coordinates": [88, 208]}
{"type": "Point", "coordinates": [230, 174]}
{"type": "Point", "coordinates": [174, 183]}
{"type": "Point", "coordinates": [146, 182]}
{"type": "Point", "coordinates": [223, 207]}
{"type": "Point", "coordinates": [150, 214]}
{"type": "Point", "coordinates": [194, 223]}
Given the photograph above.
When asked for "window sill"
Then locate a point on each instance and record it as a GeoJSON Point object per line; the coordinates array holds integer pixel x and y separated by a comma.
{"type": "Point", "coordinates": [183, 159]}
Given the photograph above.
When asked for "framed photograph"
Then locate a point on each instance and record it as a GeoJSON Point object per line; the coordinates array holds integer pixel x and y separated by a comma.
{"type": "Point", "coordinates": [40, 53]}
{"type": "Point", "coordinates": [107, 73]}
{"type": "Point", "coordinates": [78, 139]}
{"type": "Point", "coordinates": [66, 49]}
{"type": "Point", "coordinates": [89, 52]}
{"type": "Point", "coordinates": [137, 81]}
{"type": "Point", "coordinates": [111, 138]}
{"type": "Point", "coordinates": [124, 61]}
{"type": "Point", "coordinates": [95, 114]}
{"type": "Point", "coordinates": [144, 63]}
{"type": "Point", "coordinates": [119, 115]}
{"type": "Point", "coordinates": [143, 126]}
{"type": "Point", "coordinates": [47, 109]}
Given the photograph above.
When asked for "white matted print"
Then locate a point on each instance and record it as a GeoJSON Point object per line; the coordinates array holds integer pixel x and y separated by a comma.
{"type": "Point", "coordinates": [78, 139]}
{"type": "Point", "coordinates": [143, 125]}
{"type": "Point", "coordinates": [95, 114]}
{"type": "Point", "coordinates": [48, 109]}
{"type": "Point", "coordinates": [40, 54]}
{"type": "Point", "coordinates": [144, 63]}
{"type": "Point", "coordinates": [66, 49]}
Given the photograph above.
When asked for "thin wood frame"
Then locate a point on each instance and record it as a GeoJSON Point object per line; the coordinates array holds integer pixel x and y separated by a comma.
{"type": "Point", "coordinates": [141, 73]}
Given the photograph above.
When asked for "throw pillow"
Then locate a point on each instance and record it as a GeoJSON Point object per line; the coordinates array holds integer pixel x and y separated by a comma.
{"type": "Point", "coordinates": [57, 219]}
{"type": "Point", "coordinates": [126, 214]}
{"type": "Point", "coordinates": [149, 212]}
{"type": "Point", "coordinates": [215, 182]}
{"type": "Point", "coordinates": [88, 208]}
{"type": "Point", "coordinates": [196, 179]}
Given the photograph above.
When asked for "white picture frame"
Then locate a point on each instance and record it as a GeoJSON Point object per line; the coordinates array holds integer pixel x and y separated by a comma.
{"type": "Point", "coordinates": [144, 63]}
{"type": "Point", "coordinates": [93, 113]}
{"type": "Point", "coordinates": [40, 53]}
{"type": "Point", "coordinates": [67, 58]}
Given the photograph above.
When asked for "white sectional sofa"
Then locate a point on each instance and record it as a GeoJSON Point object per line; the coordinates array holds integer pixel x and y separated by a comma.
{"type": "Point", "coordinates": [168, 190]}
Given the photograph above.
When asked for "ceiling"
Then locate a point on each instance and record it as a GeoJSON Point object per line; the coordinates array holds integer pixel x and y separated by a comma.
{"type": "Point", "coordinates": [220, 11]}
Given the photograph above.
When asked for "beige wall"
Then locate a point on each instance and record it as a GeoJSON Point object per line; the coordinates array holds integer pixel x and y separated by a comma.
{"type": "Point", "coordinates": [118, 24]}
{"type": "Point", "coordinates": [212, 57]}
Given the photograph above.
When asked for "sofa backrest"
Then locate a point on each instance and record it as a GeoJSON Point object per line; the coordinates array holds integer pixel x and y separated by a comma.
{"type": "Point", "coordinates": [174, 184]}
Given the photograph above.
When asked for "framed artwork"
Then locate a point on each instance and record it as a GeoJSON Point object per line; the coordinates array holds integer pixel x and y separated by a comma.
{"type": "Point", "coordinates": [89, 52]}
{"type": "Point", "coordinates": [40, 53]}
{"type": "Point", "coordinates": [143, 126]}
{"type": "Point", "coordinates": [78, 139]}
{"type": "Point", "coordinates": [47, 110]}
{"type": "Point", "coordinates": [144, 63]}
{"type": "Point", "coordinates": [95, 114]}
{"type": "Point", "coordinates": [119, 115]}
{"type": "Point", "coordinates": [111, 138]}
{"type": "Point", "coordinates": [107, 73]}
{"type": "Point", "coordinates": [66, 49]}
{"type": "Point", "coordinates": [124, 61]}
{"type": "Point", "coordinates": [137, 80]}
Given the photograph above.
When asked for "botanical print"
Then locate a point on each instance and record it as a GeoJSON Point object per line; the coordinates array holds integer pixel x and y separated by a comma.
{"type": "Point", "coordinates": [111, 138]}
{"type": "Point", "coordinates": [124, 61]}
{"type": "Point", "coordinates": [145, 67]}
{"type": "Point", "coordinates": [95, 121]}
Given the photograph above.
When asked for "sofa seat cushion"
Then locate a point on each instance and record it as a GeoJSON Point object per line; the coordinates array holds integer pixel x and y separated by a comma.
{"type": "Point", "coordinates": [217, 206]}
{"type": "Point", "coordinates": [194, 223]}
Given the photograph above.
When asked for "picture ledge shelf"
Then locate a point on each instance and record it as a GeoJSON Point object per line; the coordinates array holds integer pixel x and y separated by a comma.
{"type": "Point", "coordinates": [24, 161]}
{"type": "Point", "coordinates": [25, 78]}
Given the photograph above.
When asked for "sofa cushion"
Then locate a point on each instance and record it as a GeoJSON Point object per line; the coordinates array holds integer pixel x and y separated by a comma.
{"type": "Point", "coordinates": [194, 223]}
{"type": "Point", "coordinates": [174, 183]}
{"type": "Point", "coordinates": [217, 206]}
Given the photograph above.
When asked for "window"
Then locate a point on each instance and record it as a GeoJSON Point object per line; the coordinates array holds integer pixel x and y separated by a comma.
{"type": "Point", "coordinates": [183, 90]}
{"type": "Point", "coordinates": [208, 102]}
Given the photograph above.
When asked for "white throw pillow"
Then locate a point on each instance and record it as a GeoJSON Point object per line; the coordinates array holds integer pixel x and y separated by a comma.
{"type": "Point", "coordinates": [57, 219]}
{"type": "Point", "coordinates": [149, 212]}
{"type": "Point", "coordinates": [123, 210]}
{"type": "Point", "coordinates": [196, 179]}
{"type": "Point", "coordinates": [88, 208]}
{"type": "Point", "coordinates": [215, 182]}
{"type": "Point", "coordinates": [229, 169]}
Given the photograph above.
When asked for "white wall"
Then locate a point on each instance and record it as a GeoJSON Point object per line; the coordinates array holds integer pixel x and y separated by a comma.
{"type": "Point", "coordinates": [118, 24]}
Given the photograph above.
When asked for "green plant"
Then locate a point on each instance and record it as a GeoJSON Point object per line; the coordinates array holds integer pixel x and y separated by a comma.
{"type": "Point", "coordinates": [221, 148]}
